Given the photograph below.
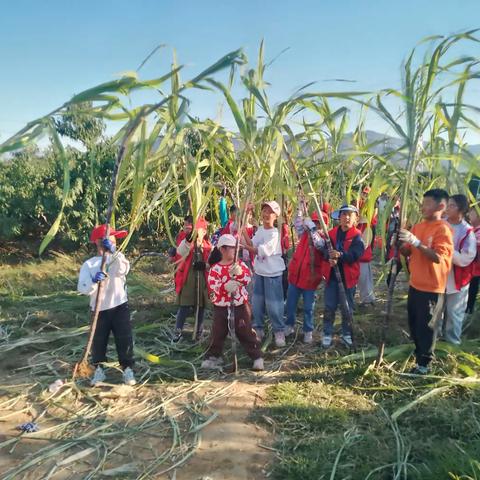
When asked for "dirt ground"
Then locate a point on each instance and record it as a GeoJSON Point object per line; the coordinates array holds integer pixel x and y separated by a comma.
{"type": "Point", "coordinates": [232, 447]}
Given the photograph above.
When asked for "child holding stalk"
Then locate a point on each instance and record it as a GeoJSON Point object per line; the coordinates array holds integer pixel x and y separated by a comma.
{"type": "Point", "coordinates": [114, 314]}
{"type": "Point", "coordinates": [268, 277]}
{"type": "Point", "coordinates": [304, 272]}
{"type": "Point", "coordinates": [474, 218]}
{"type": "Point", "coordinates": [465, 250]}
{"type": "Point", "coordinates": [191, 279]}
{"type": "Point", "coordinates": [348, 247]}
{"type": "Point", "coordinates": [227, 281]}
{"type": "Point", "coordinates": [429, 245]}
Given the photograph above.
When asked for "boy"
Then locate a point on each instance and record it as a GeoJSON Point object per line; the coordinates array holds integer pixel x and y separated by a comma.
{"type": "Point", "coordinates": [191, 278]}
{"type": "Point", "coordinates": [227, 280]}
{"type": "Point", "coordinates": [304, 273]}
{"type": "Point", "coordinates": [430, 248]}
{"type": "Point", "coordinates": [114, 313]}
{"type": "Point", "coordinates": [348, 247]}
{"type": "Point", "coordinates": [269, 267]}
{"type": "Point", "coordinates": [465, 250]}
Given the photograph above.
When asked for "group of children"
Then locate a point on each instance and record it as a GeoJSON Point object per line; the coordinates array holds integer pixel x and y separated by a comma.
{"type": "Point", "coordinates": [206, 272]}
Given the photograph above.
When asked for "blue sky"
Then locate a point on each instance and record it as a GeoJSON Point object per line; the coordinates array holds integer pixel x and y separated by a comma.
{"type": "Point", "coordinates": [53, 49]}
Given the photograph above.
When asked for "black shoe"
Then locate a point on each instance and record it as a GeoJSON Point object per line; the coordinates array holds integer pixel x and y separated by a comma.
{"type": "Point", "coordinates": [177, 336]}
{"type": "Point", "coordinates": [419, 370]}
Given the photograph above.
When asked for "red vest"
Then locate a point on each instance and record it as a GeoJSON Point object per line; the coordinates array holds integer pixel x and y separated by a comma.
{"type": "Point", "coordinates": [301, 272]}
{"type": "Point", "coordinates": [351, 271]}
{"type": "Point", "coordinates": [463, 275]}
{"type": "Point", "coordinates": [476, 262]}
{"type": "Point", "coordinates": [184, 265]}
{"type": "Point", "coordinates": [367, 254]}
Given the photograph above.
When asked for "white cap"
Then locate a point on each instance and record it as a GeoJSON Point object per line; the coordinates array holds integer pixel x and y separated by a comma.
{"type": "Point", "coordinates": [227, 240]}
{"type": "Point", "coordinates": [274, 206]}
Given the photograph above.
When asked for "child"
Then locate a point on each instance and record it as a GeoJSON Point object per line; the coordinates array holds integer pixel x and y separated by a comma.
{"type": "Point", "coordinates": [347, 249]}
{"type": "Point", "coordinates": [225, 280]}
{"type": "Point", "coordinates": [191, 278]}
{"type": "Point", "coordinates": [430, 248]}
{"type": "Point", "coordinates": [269, 267]}
{"type": "Point", "coordinates": [365, 281]}
{"type": "Point", "coordinates": [304, 273]}
{"type": "Point", "coordinates": [474, 218]}
{"type": "Point", "coordinates": [186, 230]}
{"type": "Point", "coordinates": [465, 250]}
{"type": "Point", "coordinates": [114, 313]}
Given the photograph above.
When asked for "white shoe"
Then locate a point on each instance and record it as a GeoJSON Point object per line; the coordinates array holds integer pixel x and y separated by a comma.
{"type": "Point", "coordinates": [259, 333]}
{"type": "Point", "coordinates": [289, 330]}
{"type": "Point", "coordinates": [129, 377]}
{"type": "Point", "coordinates": [258, 364]}
{"type": "Point", "coordinates": [327, 341]}
{"type": "Point", "coordinates": [307, 337]}
{"type": "Point", "coordinates": [212, 363]}
{"type": "Point", "coordinates": [98, 376]}
{"type": "Point", "coordinates": [279, 339]}
{"type": "Point", "coordinates": [347, 340]}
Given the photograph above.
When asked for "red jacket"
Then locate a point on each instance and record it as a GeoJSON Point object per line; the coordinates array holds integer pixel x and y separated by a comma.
{"type": "Point", "coordinates": [463, 275]}
{"type": "Point", "coordinates": [368, 254]}
{"type": "Point", "coordinates": [476, 262]}
{"type": "Point", "coordinates": [183, 267]}
{"type": "Point", "coordinates": [301, 271]}
{"type": "Point", "coordinates": [351, 271]}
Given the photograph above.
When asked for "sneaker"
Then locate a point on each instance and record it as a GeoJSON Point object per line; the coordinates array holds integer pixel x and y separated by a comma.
{"type": "Point", "coordinates": [419, 370]}
{"type": "Point", "coordinates": [308, 337]}
{"type": "Point", "coordinates": [259, 333]}
{"type": "Point", "coordinates": [177, 335]}
{"type": "Point", "coordinates": [289, 330]}
{"type": "Point", "coordinates": [347, 340]}
{"type": "Point", "coordinates": [327, 341]}
{"type": "Point", "coordinates": [129, 377]}
{"type": "Point", "coordinates": [212, 363]}
{"type": "Point", "coordinates": [98, 376]}
{"type": "Point", "coordinates": [279, 339]}
{"type": "Point", "coordinates": [258, 365]}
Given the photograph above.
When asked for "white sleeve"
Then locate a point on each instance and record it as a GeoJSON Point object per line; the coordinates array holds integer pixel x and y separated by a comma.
{"type": "Point", "coordinates": [467, 256]}
{"type": "Point", "coordinates": [85, 284]}
{"type": "Point", "coordinates": [184, 248]}
{"type": "Point", "coordinates": [119, 265]}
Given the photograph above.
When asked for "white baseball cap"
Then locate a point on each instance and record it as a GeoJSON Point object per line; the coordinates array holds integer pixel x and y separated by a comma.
{"type": "Point", "coordinates": [273, 205]}
{"type": "Point", "coordinates": [227, 240]}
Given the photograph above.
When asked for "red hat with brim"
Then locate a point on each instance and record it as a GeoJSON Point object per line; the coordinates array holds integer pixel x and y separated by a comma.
{"type": "Point", "coordinates": [99, 233]}
{"type": "Point", "coordinates": [201, 223]}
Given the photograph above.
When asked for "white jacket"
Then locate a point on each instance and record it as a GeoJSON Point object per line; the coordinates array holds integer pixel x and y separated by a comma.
{"type": "Point", "coordinates": [114, 289]}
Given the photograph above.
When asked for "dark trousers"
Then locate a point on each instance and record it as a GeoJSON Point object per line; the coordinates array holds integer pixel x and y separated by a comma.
{"type": "Point", "coordinates": [116, 320]}
{"type": "Point", "coordinates": [425, 311]}
{"type": "Point", "coordinates": [243, 330]}
{"type": "Point", "coordinates": [182, 314]}
{"type": "Point", "coordinates": [472, 294]}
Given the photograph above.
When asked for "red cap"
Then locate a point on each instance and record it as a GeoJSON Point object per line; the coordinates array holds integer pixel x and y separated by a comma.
{"type": "Point", "coordinates": [201, 223]}
{"type": "Point", "coordinates": [326, 207]}
{"type": "Point", "coordinates": [99, 232]}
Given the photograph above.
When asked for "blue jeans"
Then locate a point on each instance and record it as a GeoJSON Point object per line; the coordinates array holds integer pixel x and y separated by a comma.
{"type": "Point", "coordinates": [293, 294]}
{"type": "Point", "coordinates": [268, 297]}
{"type": "Point", "coordinates": [332, 301]}
{"type": "Point", "coordinates": [456, 304]}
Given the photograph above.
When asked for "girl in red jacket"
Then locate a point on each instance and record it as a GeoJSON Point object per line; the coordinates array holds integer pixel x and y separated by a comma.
{"type": "Point", "coordinates": [191, 278]}
{"type": "Point", "coordinates": [304, 273]}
